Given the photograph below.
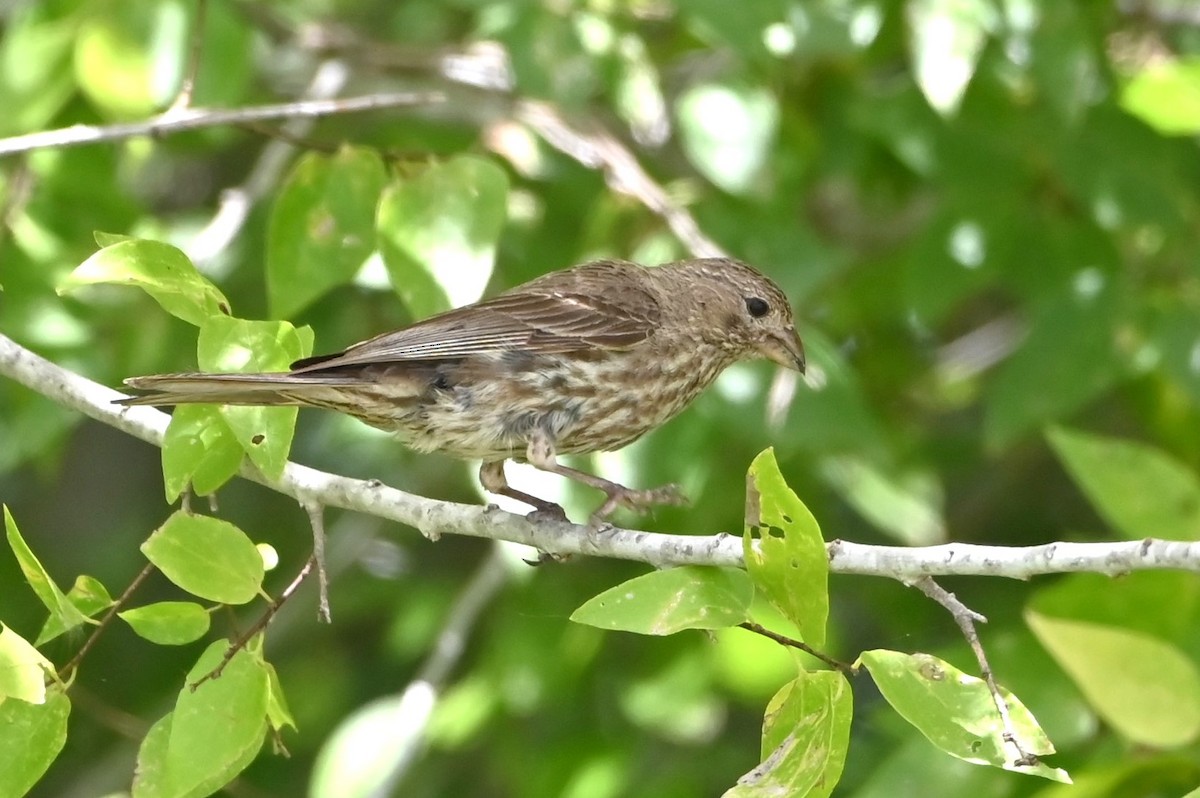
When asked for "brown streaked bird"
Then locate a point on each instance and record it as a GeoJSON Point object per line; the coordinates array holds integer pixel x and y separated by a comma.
{"type": "Point", "coordinates": [581, 360]}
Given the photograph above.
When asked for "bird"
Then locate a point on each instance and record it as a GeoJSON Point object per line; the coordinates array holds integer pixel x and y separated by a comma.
{"type": "Point", "coordinates": [580, 360]}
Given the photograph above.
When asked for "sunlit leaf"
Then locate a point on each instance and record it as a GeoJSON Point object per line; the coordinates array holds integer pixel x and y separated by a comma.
{"type": "Point", "coordinates": [322, 226]}
{"type": "Point", "coordinates": [228, 344]}
{"type": "Point", "coordinates": [1166, 95]}
{"type": "Point", "coordinates": [159, 269]}
{"type": "Point", "coordinates": [947, 39]}
{"type": "Point", "coordinates": [31, 735]}
{"type": "Point", "coordinates": [168, 623]}
{"type": "Point", "coordinates": [957, 713]}
{"type": "Point", "coordinates": [806, 733]}
{"type": "Point", "coordinates": [665, 602]}
{"type": "Point", "coordinates": [727, 132]}
{"type": "Point", "coordinates": [23, 669]}
{"type": "Point", "coordinates": [785, 554]}
{"type": "Point", "coordinates": [438, 232]}
{"type": "Point", "coordinates": [207, 557]}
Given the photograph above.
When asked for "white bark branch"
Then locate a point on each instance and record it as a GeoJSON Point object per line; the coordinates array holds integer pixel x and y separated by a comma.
{"type": "Point", "coordinates": [435, 518]}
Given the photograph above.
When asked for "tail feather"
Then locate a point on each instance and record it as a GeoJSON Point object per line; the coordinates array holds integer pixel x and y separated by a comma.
{"type": "Point", "coordinates": [233, 389]}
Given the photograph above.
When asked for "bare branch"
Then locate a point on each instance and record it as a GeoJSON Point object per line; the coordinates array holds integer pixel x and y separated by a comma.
{"type": "Point", "coordinates": [180, 120]}
{"type": "Point", "coordinates": [433, 518]}
{"type": "Point", "coordinates": [599, 149]}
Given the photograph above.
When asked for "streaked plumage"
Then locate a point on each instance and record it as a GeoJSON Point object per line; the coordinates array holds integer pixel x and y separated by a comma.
{"type": "Point", "coordinates": [582, 360]}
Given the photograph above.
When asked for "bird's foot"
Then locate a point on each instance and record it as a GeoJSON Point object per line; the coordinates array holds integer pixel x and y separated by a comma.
{"type": "Point", "coordinates": [636, 500]}
{"type": "Point", "coordinates": [544, 557]}
{"type": "Point", "coordinates": [547, 512]}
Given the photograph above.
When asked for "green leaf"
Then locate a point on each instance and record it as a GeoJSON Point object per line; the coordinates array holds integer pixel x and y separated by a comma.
{"type": "Point", "coordinates": [322, 226]}
{"type": "Point", "coordinates": [168, 623]}
{"type": "Point", "coordinates": [228, 344]}
{"type": "Point", "coordinates": [785, 554]}
{"type": "Point", "coordinates": [207, 557]}
{"type": "Point", "coordinates": [438, 232]}
{"type": "Point", "coordinates": [278, 714]}
{"type": "Point", "coordinates": [1140, 490]}
{"type": "Point", "coordinates": [23, 669]}
{"type": "Point", "coordinates": [200, 450]}
{"type": "Point", "coordinates": [88, 595]}
{"type": "Point", "coordinates": [1166, 96]}
{"type": "Point", "coordinates": [666, 602]}
{"type": "Point", "coordinates": [63, 613]}
{"type": "Point", "coordinates": [727, 132]}
{"type": "Point", "coordinates": [36, 51]}
{"type": "Point", "coordinates": [947, 38]}
{"type": "Point", "coordinates": [1144, 687]}
{"type": "Point", "coordinates": [130, 55]}
{"type": "Point", "coordinates": [149, 776]}
{"type": "Point", "coordinates": [806, 732]}
{"type": "Point", "coordinates": [956, 712]}
{"type": "Point", "coordinates": [31, 735]}
{"type": "Point", "coordinates": [159, 269]}
{"type": "Point", "coordinates": [214, 732]}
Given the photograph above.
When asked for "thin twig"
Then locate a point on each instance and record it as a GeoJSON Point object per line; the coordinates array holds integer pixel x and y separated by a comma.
{"type": "Point", "coordinates": [316, 517]}
{"type": "Point", "coordinates": [259, 624]}
{"type": "Point", "coordinates": [67, 670]}
{"type": "Point", "coordinates": [599, 149]}
{"type": "Point", "coordinates": [966, 618]}
{"type": "Point", "coordinates": [172, 122]}
{"type": "Point", "coordinates": [187, 87]}
{"type": "Point", "coordinates": [845, 668]}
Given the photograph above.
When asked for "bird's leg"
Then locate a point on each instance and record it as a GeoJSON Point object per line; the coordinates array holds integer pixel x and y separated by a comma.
{"type": "Point", "coordinates": [491, 476]}
{"type": "Point", "coordinates": [540, 454]}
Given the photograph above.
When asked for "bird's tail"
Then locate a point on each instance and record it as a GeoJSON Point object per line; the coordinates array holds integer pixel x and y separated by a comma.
{"type": "Point", "coordinates": [231, 389]}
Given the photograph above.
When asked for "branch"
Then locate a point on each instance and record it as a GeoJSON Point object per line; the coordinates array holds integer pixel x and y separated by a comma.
{"type": "Point", "coordinates": [180, 120]}
{"type": "Point", "coordinates": [599, 149]}
{"type": "Point", "coordinates": [435, 518]}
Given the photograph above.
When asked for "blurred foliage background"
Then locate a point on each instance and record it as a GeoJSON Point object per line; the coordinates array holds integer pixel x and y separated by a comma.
{"type": "Point", "coordinates": [986, 212]}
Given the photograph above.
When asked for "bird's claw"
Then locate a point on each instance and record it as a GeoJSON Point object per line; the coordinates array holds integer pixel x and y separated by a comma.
{"type": "Point", "coordinates": [544, 557]}
{"type": "Point", "coordinates": [637, 500]}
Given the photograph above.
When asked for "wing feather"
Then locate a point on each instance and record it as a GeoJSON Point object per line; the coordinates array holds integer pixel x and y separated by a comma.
{"type": "Point", "coordinates": [599, 305]}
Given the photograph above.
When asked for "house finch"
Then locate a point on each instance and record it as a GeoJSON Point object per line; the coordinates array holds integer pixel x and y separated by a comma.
{"type": "Point", "coordinates": [582, 360]}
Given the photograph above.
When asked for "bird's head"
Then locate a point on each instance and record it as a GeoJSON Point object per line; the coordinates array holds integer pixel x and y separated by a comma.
{"type": "Point", "coordinates": [746, 310]}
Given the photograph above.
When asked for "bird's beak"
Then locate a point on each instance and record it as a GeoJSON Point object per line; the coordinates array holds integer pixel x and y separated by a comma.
{"type": "Point", "coordinates": [785, 348]}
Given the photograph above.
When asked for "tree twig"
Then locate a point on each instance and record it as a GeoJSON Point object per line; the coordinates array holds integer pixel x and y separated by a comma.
{"type": "Point", "coordinates": [432, 517]}
{"type": "Point", "coordinates": [259, 624]}
{"type": "Point", "coordinates": [966, 618]}
{"type": "Point", "coordinates": [65, 672]}
{"type": "Point", "coordinates": [316, 517]}
{"type": "Point", "coordinates": [187, 88]}
{"type": "Point", "coordinates": [178, 121]}
{"type": "Point", "coordinates": [784, 640]}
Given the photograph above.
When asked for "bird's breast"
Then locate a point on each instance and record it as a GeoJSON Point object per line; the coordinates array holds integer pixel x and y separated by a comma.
{"type": "Point", "coordinates": [603, 400]}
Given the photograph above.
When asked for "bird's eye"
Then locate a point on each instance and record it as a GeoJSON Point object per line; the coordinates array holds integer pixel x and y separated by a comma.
{"type": "Point", "coordinates": [757, 306]}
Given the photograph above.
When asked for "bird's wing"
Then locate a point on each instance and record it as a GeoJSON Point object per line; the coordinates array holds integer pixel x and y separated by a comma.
{"type": "Point", "coordinates": [584, 308]}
